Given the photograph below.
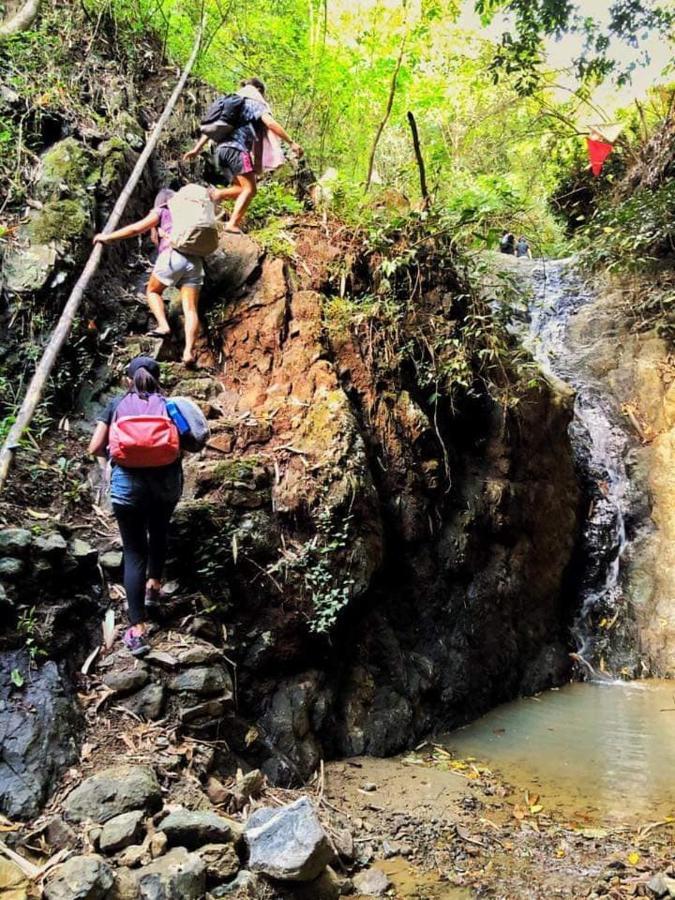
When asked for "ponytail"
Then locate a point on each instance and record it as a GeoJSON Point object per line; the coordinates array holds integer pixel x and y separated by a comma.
{"type": "Point", "coordinates": [144, 383]}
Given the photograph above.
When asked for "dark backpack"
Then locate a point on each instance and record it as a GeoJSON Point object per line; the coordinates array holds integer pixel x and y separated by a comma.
{"type": "Point", "coordinates": [222, 117]}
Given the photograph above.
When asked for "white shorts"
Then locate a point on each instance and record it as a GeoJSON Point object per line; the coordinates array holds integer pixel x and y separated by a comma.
{"type": "Point", "coordinates": [174, 269]}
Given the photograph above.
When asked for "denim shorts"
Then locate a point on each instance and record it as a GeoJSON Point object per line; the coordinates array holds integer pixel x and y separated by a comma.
{"type": "Point", "coordinates": [174, 269]}
{"type": "Point", "coordinates": [141, 487]}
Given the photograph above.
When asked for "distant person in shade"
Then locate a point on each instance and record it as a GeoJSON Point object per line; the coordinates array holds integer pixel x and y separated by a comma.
{"type": "Point", "coordinates": [523, 248]}
{"type": "Point", "coordinates": [507, 243]}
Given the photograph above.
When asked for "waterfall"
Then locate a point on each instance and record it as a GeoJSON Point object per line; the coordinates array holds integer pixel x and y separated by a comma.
{"type": "Point", "coordinates": [602, 629]}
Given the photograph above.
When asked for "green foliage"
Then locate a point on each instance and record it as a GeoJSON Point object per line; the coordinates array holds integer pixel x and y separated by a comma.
{"type": "Point", "coordinates": [29, 628]}
{"type": "Point", "coordinates": [630, 234]}
{"type": "Point", "coordinates": [271, 201]}
{"type": "Point", "coordinates": [316, 565]}
{"type": "Point", "coordinates": [17, 678]}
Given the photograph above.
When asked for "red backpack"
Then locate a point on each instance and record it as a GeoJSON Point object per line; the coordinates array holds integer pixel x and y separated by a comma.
{"type": "Point", "coordinates": [142, 436]}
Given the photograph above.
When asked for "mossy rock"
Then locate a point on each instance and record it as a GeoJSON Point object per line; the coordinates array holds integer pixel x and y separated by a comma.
{"type": "Point", "coordinates": [66, 168]}
{"type": "Point", "coordinates": [59, 220]}
{"type": "Point", "coordinates": [130, 131]}
{"type": "Point", "coordinates": [247, 470]}
{"type": "Point", "coordinates": [117, 159]}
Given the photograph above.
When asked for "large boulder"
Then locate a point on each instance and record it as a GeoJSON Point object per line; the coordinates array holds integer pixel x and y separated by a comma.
{"type": "Point", "coordinates": [39, 726]}
{"type": "Point", "coordinates": [288, 843]}
{"type": "Point", "coordinates": [177, 876]}
{"type": "Point", "coordinates": [80, 878]}
{"type": "Point", "coordinates": [112, 792]}
{"type": "Point", "coordinates": [233, 263]}
{"type": "Point", "coordinates": [189, 829]}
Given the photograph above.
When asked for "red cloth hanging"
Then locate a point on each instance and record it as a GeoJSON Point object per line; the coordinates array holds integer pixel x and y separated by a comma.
{"type": "Point", "coordinates": [598, 151]}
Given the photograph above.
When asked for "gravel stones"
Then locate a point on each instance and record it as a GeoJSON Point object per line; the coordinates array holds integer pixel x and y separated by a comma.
{"type": "Point", "coordinates": [373, 883]}
{"type": "Point", "coordinates": [121, 831]}
{"type": "Point", "coordinates": [288, 843]}
{"type": "Point", "coordinates": [203, 680]}
{"type": "Point", "coordinates": [113, 791]}
{"type": "Point", "coordinates": [177, 876]}
{"type": "Point", "coordinates": [194, 829]}
{"type": "Point", "coordinates": [80, 878]}
{"type": "Point", "coordinates": [221, 861]}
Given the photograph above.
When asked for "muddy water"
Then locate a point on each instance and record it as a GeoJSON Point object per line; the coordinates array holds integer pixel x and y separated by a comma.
{"type": "Point", "coordinates": [596, 751]}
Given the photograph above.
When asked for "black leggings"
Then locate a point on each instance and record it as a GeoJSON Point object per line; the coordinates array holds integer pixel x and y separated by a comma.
{"type": "Point", "coordinates": [145, 535]}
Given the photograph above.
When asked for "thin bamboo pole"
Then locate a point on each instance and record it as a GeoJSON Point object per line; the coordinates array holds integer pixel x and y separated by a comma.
{"type": "Point", "coordinates": [62, 330]}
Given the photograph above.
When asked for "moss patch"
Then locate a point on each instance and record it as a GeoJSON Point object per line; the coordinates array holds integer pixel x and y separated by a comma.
{"type": "Point", "coordinates": [239, 470]}
{"type": "Point", "coordinates": [67, 165]}
{"type": "Point", "coordinates": [60, 220]}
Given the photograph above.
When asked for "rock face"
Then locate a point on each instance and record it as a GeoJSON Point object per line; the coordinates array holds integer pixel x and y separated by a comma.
{"type": "Point", "coordinates": [634, 368]}
{"type": "Point", "coordinates": [39, 726]}
{"type": "Point", "coordinates": [288, 843]}
{"type": "Point", "coordinates": [433, 546]}
{"type": "Point", "coordinates": [112, 792]}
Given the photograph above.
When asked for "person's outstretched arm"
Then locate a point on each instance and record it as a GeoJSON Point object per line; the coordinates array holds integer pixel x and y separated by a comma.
{"type": "Point", "coordinates": [140, 227]}
{"type": "Point", "coordinates": [277, 129]}
{"type": "Point", "coordinates": [197, 149]}
{"type": "Point", "coordinates": [99, 441]}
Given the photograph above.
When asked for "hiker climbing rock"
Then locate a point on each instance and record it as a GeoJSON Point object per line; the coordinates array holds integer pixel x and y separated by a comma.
{"type": "Point", "coordinates": [248, 143]}
{"type": "Point", "coordinates": [185, 225]}
{"type": "Point", "coordinates": [142, 435]}
{"type": "Point", "coordinates": [523, 248]}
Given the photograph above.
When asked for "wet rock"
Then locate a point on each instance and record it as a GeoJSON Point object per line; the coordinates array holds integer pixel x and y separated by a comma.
{"type": "Point", "coordinates": [15, 541]}
{"type": "Point", "coordinates": [204, 680]}
{"type": "Point", "coordinates": [194, 829]}
{"type": "Point", "coordinates": [112, 792]}
{"type": "Point", "coordinates": [148, 703]}
{"type": "Point", "coordinates": [80, 878]}
{"type": "Point", "coordinates": [373, 883]}
{"type": "Point", "coordinates": [121, 831]}
{"type": "Point", "coordinates": [288, 843]}
{"type": "Point", "coordinates": [13, 883]}
{"type": "Point", "coordinates": [123, 681]}
{"type": "Point", "coordinates": [38, 734]}
{"type": "Point", "coordinates": [179, 874]}
{"type": "Point", "coordinates": [221, 861]}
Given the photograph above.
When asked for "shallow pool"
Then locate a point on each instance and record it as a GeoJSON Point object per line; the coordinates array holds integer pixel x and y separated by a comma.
{"type": "Point", "coordinates": [592, 751]}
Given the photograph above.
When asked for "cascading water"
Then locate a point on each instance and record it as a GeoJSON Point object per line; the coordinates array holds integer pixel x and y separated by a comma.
{"type": "Point", "coordinates": [602, 629]}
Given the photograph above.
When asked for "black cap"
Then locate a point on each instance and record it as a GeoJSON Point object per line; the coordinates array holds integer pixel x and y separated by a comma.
{"type": "Point", "coordinates": [143, 362]}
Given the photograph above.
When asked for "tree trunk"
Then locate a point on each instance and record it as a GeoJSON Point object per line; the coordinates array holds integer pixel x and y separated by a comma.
{"type": "Point", "coordinates": [419, 158]}
{"type": "Point", "coordinates": [387, 112]}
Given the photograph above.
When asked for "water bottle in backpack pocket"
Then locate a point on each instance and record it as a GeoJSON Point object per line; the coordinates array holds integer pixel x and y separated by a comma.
{"type": "Point", "coordinates": [191, 423]}
{"type": "Point", "coordinates": [142, 435]}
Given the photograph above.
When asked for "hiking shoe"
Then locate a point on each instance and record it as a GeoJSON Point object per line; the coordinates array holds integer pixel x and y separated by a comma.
{"type": "Point", "coordinates": [135, 643]}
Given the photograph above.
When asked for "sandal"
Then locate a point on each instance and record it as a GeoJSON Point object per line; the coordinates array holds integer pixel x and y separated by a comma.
{"type": "Point", "coordinates": [135, 643]}
{"type": "Point", "coordinates": [154, 333]}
